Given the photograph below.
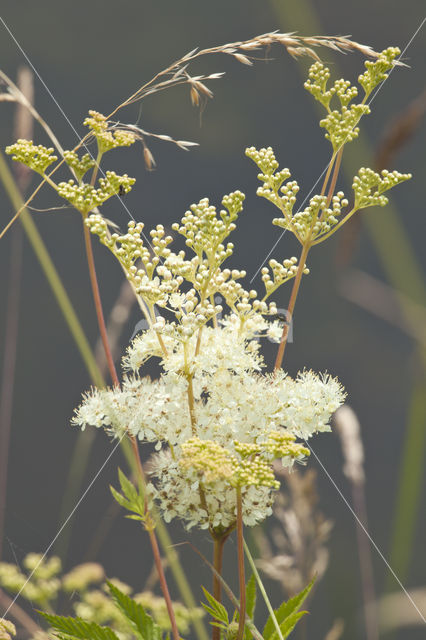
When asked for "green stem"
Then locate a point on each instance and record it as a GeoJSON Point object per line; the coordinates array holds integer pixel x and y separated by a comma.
{"type": "Point", "coordinates": [241, 570]}
{"type": "Point", "coordinates": [263, 591]}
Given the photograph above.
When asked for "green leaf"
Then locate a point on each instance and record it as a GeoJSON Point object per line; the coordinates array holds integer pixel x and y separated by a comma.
{"type": "Point", "coordinates": [289, 623]}
{"type": "Point", "coordinates": [79, 628]}
{"type": "Point", "coordinates": [250, 604]}
{"type": "Point", "coordinates": [131, 498]}
{"type": "Point", "coordinates": [140, 620]}
{"type": "Point", "coordinates": [216, 610]}
{"type": "Point", "coordinates": [285, 611]}
{"type": "Point", "coordinates": [127, 487]}
{"type": "Point", "coordinates": [119, 498]}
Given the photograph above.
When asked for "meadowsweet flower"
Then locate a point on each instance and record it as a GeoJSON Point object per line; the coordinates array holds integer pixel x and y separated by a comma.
{"type": "Point", "coordinates": [241, 419]}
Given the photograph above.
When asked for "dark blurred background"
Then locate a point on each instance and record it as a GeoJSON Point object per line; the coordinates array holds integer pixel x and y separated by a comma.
{"type": "Point", "coordinates": [93, 55]}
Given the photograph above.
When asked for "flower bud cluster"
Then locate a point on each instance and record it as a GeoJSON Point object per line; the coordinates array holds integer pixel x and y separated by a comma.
{"type": "Point", "coordinates": [341, 125]}
{"type": "Point", "coordinates": [280, 273]}
{"type": "Point", "coordinates": [85, 197]}
{"type": "Point", "coordinates": [80, 166]}
{"type": "Point", "coordinates": [317, 218]}
{"type": "Point", "coordinates": [106, 138]}
{"type": "Point", "coordinates": [7, 629]}
{"type": "Point", "coordinates": [44, 585]}
{"type": "Point", "coordinates": [36, 157]}
{"type": "Point", "coordinates": [369, 186]}
{"type": "Point", "coordinates": [376, 72]}
{"type": "Point", "coordinates": [248, 465]}
{"type": "Point", "coordinates": [82, 576]}
{"type": "Point", "coordinates": [317, 86]}
{"type": "Point", "coordinates": [205, 231]}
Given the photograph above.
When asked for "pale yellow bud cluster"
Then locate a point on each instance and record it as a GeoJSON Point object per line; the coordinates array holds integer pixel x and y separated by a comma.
{"type": "Point", "coordinates": [209, 459]}
{"type": "Point", "coordinates": [82, 576]}
{"type": "Point", "coordinates": [107, 139]}
{"type": "Point", "coordinates": [376, 71]}
{"type": "Point", "coordinates": [281, 272]}
{"type": "Point", "coordinates": [345, 92]}
{"type": "Point", "coordinates": [80, 166]}
{"type": "Point", "coordinates": [7, 629]}
{"type": "Point", "coordinates": [85, 197]}
{"type": "Point", "coordinates": [36, 157]}
{"type": "Point", "coordinates": [369, 186]}
{"type": "Point", "coordinates": [249, 465]}
{"type": "Point", "coordinates": [317, 218]}
{"type": "Point", "coordinates": [205, 231]}
{"type": "Point", "coordinates": [43, 585]}
{"type": "Point", "coordinates": [341, 125]}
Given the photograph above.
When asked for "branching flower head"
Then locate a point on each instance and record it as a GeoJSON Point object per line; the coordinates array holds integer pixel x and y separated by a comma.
{"type": "Point", "coordinates": [216, 418]}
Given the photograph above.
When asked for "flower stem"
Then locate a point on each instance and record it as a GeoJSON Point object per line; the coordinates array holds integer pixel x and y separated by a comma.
{"type": "Point", "coordinates": [334, 176]}
{"type": "Point", "coordinates": [163, 583]}
{"type": "Point", "coordinates": [98, 306]}
{"type": "Point", "coordinates": [327, 175]}
{"type": "Point", "coordinates": [291, 304]}
{"type": "Point", "coordinates": [241, 571]}
{"type": "Point", "coordinates": [219, 543]}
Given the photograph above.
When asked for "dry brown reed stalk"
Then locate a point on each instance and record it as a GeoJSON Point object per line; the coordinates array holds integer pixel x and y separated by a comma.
{"type": "Point", "coordinates": [336, 631]}
{"type": "Point", "coordinates": [23, 127]}
{"type": "Point", "coordinates": [295, 548]}
{"type": "Point", "coordinates": [177, 74]}
{"type": "Point", "coordinates": [349, 431]}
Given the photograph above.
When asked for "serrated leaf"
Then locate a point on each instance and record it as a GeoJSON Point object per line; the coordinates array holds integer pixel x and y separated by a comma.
{"type": "Point", "coordinates": [289, 623]}
{"type": "Point", "coordinates": [79, 628]}
{"type": "Point", "coordinates": [251, 596]}
{"type": "Point", "coordinates": [119, 498]}
{"type": "Point", "coordinates": [286, 610]}
{"type": "Point", "coordinates": [127, 487]}
{"type": "Point", "coordinates": [140, 620]}
{"type": "Point", "coordinates": [216, 610]}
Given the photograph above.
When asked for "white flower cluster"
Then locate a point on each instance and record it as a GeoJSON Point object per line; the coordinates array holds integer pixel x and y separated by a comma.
{"type": "Point", "coordinates": [236, 410]}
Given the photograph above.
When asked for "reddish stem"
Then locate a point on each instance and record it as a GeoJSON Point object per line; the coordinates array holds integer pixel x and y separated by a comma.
{"type": "Point", "coordinates": [163, 583]}
{"type": "Point", "coordinates": [302, 260]}
{"type": "Point", "coordinates": [334, 177]}
{"type": "Point", "coordinates": [291, 304]}
{"type": "Point", "coordinates": [98, 306]}
{"type": "Point", "coordinates": [219, 543]}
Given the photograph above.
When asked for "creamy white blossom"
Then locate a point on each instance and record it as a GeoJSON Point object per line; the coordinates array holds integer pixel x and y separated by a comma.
{"type": "Point", "coordinates": [236, 410]}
